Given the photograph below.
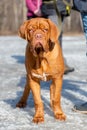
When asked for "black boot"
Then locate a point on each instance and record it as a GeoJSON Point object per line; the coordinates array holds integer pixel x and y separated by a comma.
{"type": "Point", "coordinates": [68, 69]}
{"type": "Point", "coordinates": [81, 108]}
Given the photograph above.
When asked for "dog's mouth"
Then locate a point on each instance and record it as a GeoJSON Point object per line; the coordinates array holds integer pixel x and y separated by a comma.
{"type": "Point", "coordinates": [38, 48]}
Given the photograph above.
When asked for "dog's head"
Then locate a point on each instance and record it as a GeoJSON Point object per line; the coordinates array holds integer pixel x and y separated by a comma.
{"type": "Point", "coordinates": [40, 33]}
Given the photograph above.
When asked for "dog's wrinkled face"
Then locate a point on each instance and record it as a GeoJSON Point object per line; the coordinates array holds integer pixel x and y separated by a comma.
{"type": "Point", "coordinates": [40, 33]}
{"type": "Point", "coordinates": [38, 36]}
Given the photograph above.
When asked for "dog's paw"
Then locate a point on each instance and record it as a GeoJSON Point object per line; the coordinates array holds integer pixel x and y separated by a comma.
{"type": "Point", "coordinates": [38, 119]}
{"type": "Point", "coordinates": [60, 116]}
{"type": "Point", "coordinates": [21, 104]}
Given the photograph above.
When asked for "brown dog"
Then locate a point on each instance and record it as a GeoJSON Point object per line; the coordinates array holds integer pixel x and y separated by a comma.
{"type": "Point", "coordinates": [43, 61]}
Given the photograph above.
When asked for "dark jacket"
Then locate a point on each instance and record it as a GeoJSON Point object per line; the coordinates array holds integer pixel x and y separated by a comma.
{"type": "Point", "coordinates": [48, 7]}
{"type": "Point", "coordinates": [80, 5]}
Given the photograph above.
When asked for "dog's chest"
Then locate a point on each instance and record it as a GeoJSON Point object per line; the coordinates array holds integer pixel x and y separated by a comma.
{"type": "Point", "coordinates": [43, 71]}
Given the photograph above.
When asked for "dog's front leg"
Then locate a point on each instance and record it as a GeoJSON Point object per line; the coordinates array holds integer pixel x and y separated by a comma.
{"type": "Point", "coordinates": [22, 102]}
{"type": "Point", "coordinates": [39, 112]}
{"type": "Point", "coordinates": [55, 93]}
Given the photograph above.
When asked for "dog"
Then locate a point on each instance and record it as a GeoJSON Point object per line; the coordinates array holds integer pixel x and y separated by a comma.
{"type": "Point", "coordinates": [43, 61]}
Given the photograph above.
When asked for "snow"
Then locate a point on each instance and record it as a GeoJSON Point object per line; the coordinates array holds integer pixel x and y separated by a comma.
{"type": "Point", "coordinates": [12, 81]}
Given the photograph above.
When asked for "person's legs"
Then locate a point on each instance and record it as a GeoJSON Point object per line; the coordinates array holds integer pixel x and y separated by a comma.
{"type": "Point", "coordinates": [84, 21]}
{"type": "Point", "coordinates": [82, 108]}
{"type": "Point", "coordinates": [68, 69]}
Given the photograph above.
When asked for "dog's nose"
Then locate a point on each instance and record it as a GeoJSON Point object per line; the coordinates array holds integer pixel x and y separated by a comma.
{"type": "Point", "coordinates": [38, 35]}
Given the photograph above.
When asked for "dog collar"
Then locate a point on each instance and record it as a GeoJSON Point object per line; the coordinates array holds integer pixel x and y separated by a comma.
{"type": "Point", "coordinates": [42, 77]}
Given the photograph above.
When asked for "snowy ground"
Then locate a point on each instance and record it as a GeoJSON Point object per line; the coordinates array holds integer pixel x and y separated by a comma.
{"type": "Point", "coordinates": [12, 80]}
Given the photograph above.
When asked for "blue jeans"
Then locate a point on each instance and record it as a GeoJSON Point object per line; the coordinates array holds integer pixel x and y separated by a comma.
{"type": "Point", "coordinates": [84, 20]}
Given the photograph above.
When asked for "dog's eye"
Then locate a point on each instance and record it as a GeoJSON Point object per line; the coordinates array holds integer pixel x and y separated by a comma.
{"type": "Point", "coordinates": [45, 30]}
{"type": "Point", "coordinates": [31, 30]}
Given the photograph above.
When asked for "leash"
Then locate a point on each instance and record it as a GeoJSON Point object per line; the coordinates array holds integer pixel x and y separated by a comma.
{"type": "Point", "coordinates": [58, 16]}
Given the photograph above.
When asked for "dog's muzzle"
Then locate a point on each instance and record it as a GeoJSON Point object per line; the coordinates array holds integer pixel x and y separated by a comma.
{"type": "Point", "coordinates": [38, 44]}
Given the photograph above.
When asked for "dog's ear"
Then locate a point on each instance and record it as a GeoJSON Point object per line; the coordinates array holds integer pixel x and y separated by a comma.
{"type": "Point", "coordinates": [23, 30]}
{"type": "Point", "coordinates": [54, 31]}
